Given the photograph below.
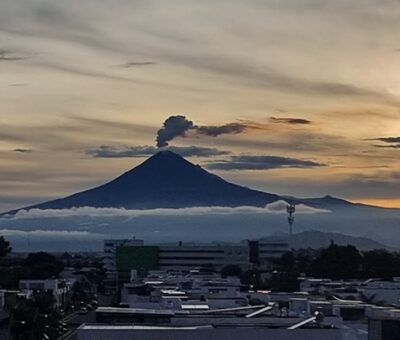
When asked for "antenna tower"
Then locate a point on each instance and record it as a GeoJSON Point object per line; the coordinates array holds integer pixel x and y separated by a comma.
{"type": "Point", "coordinates": [290, 210]}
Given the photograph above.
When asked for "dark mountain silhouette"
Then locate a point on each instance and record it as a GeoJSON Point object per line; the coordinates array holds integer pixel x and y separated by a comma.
{"type": "Point", "coordinates": [167, 180]}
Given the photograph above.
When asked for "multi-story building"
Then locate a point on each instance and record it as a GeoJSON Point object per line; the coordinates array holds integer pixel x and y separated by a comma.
{"type": "Point", "coordinates": [110, 248]}
{"type": "Point", "coordinates": [180, 257]}
{"type": "Point", "coordinates": [194, 256]}
{"type": "Point", "coordinates": [109, 260]}
{"type": "Point", "coordinates": [122, 256]}
{"type": "Point", "coordinates": [264, 250]}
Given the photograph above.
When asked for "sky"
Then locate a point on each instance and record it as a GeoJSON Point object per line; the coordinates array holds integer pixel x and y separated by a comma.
{"type": "Point", "coordinates": [296, 97]}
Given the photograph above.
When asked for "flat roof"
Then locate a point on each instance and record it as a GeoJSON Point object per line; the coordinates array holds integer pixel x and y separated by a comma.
{"type": "Point", "coordinates": [116, 310]}
{"type": "Point", "coordinates": [101, 327]}
{"type": "Point", "coordinates": [195, 307]}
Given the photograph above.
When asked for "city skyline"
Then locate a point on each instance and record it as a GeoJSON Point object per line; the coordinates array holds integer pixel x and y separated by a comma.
{"type": "Point", "coordinates": [292, 98]}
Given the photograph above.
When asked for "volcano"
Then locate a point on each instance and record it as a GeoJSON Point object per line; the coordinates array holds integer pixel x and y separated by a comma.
{"type": "Point", "coordinates": [165, 180]}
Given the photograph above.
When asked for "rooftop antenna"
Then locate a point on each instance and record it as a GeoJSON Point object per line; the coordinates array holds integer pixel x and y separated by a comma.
{"type": "Point", "coordinates": [290, 210]}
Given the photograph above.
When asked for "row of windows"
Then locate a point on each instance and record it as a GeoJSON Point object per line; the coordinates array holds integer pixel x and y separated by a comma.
{"type": "Point", "coordinates": [270, 252]}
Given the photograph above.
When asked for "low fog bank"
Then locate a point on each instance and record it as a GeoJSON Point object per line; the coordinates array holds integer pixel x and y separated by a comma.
{"type": "Point", "coordinates": [79, 232]}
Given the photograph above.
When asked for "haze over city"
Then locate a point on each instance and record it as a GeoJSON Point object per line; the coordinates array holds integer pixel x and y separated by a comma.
{"type": "Point", "coordinates": [292, 97]}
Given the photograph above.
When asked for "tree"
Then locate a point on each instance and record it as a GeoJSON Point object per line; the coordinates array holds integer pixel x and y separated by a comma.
{"type": "Point", "coordinates": [11, 275]}
{"type": "Point", "coordinates": [251, 277]}
{"type": "Point", "coordinates": [231, 270]}
{"type": "Point", "coordinates": [31, 319]}
{"type": "Point", "coordinates": [381, 264]}
{"type": "Point", "coordinates": [284, 282]}
{"type": "Point", "coordinates": [5, 248]}
{"type": "Point", "coordinates": [338, 262]}
{"type": "Point", "coordinates": [40, 257]}
{"type": "Point", "coordinates": [43, 265]}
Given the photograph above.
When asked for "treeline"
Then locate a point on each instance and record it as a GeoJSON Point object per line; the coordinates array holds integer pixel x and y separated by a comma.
{"type": "Point", "coordinates": [35, 266]}
{"type": "Point", "coordinates": [335, 262]}
{"type": "Point", "coordinates": [341, 262]}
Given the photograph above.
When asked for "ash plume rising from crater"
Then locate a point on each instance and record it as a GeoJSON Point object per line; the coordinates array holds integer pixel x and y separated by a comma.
{"type": "Point", "coordinates": [174, 126]}
{"type": "Point", "coordinates": [179, 126]}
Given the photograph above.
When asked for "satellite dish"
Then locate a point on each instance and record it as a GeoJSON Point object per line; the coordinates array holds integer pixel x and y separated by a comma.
{"type": "Point", "coordinates": [317, 318]}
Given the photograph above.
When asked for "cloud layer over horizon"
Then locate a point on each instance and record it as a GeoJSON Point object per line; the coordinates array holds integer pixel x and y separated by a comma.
{"type": "Point", "coordinates": [278, 207]}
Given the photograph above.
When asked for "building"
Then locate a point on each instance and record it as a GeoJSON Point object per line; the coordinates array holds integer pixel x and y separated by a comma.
{"type": "Point", "coordinates": [383, 323]}
{"type": "Point", "coordinates": [110, 249]}
{"type": "Point", "coordinates": [249, 322]}
{"type": "Point", "coordinates": [185, 257]}
{"type": "Point", "coordinates": [196, 290]}
{"type": "Point", "coordinates": [264, 250]}
{"type": "Point", "coordinates": [179, 257]}
{"type": "Point", "coordinates": [58, 288]}
{"type": "Point", "coordinates": [137, 258]}
{"type": "Point", "coordinates": [384, 292]}
{"type": "Point", "coordinates": [109, 260]}
{"type": "Point", "coordinates": [204, 332]}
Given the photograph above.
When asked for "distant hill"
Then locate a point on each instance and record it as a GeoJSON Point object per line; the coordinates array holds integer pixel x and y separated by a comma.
{"type": "Point", "coordinates": [317, 239]}
{"type": "Point", "coordinates": [167, 180]}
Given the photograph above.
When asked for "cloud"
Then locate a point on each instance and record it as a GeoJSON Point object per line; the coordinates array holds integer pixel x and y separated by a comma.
{"type": "Point", "coordinates": [214, 131]}
{"type": "Point", "coordinates": [388, 139]}
{"type": "Point", "coordinates": [248, 162]}
{"type": "Point", "coordinates": [290, 120]}
{"type": "Point", "coordinates": [392, 146]}
{"type": "Point", "coordinates": [21, 150]}
{"type": "Point", "coordinates": [107, 151]}
{"type": "Point", "coordinates": [278, 207]}
{"type": "Point", "coordinates": [137, 64]}
{"type": "Point", "coordinates": [391, 142]}
{"type": "Point", "coordinates": [174, 126]}
{"type": "Point", "coordinates": [56, 234]}
{"type": "Point", "coordinates": [10, 56]}
{"type": "Point", "coordinates": [188, 151]}
{"type": "Point", "coordinates": [257, 76]}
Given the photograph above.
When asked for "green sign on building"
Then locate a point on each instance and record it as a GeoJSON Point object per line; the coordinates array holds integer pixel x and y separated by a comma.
{"type": "Point", "coordinates": [139, 258]}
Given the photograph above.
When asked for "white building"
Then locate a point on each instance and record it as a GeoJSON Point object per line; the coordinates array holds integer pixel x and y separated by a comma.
{"type": "Point", "coordinates": [59, 288]}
